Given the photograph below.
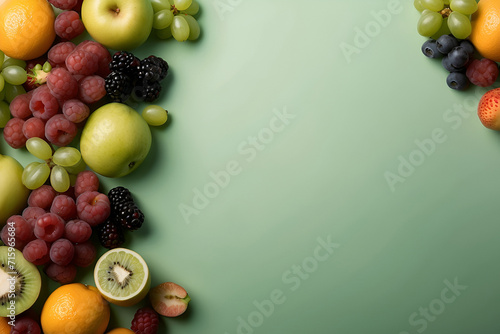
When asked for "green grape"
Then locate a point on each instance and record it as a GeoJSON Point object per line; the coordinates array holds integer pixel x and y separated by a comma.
{"type": "Point", "coordinates": [194, 27]}
{"type": "Point", "coordinates": [160, 5]}
{"type": "Point", "coordinates": [434, 5]}
{"type": "Point", "coordinates": [11, 62]}
{"type": "Point", "coordinates": [163, 19]}
{"type": "Point", "coordinates": [2, 82]}
{"type": "Point", "coordinates": [155, 115]}
{"type": "Point", "coordinates": [66, 156]}
{"type": "Point", "coordinates": [429, 23]}
{"type": "Point", "coordinates": [459, 25]}
{"type": "Point", "coordinates": [11, 91]}
{"type": "Point", "coordinates": [4, 114]}
{"type": "Point", "coordinates": [79, 167]}
{"type": "Point", "coordinates": [180, 28]}
{"type": "Point", "coordinates": [446, 2]}
{"type": "Point", "coordinates": [35, 175]}
{"type": "Point", "coordinates": [39, 148]}
{"type": "Point", "coordinates": [418, 6]}
{"type": "Point", "coordinates": [59, 179]}
{"type": "Point", "coordinates": [15, 75]}
{"type": "Point", "coordinates": [182, 4]}
{"type": "Point", "coordinates": [444, 30]}
{"type": "Point", "coordinates": [2, 94]}
{"type": "Point", "coordinates": [2, 58]}
{"type": "Point", "coordinates": [164, 33]}
{"type": "Point", "coordinates": [72, 179]}
{"type": "Point", "coordinates": [195, 7]}
{"type": "Point", "coordinates": [466, 7]}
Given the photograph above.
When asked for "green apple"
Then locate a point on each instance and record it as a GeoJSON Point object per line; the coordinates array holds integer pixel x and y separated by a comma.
{"type": "Point", "coordinates": [13, 193]}
{"type": "Point", "coordinates": [118, 24]}
{"type": "Point", "coordinates": [115, 140]}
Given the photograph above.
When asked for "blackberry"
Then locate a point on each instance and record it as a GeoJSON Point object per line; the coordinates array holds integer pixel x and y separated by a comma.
{"type": "Point", "coordinates": [162, 64]}
{"type": "Point", "coordinates": [148, 71]}
{"type": "Point", "coordinates": [147, 92]}
{"type": "Point", "coordinates": [123, 61]}
{"type": "Point", "coordinates": [119, 195]}
{"type": "Point", "coordinates": [110, 234]}
{"type": "Point", "coordinates": [129, 215]}
{"type": "Point", "coordinates": [118, 86]}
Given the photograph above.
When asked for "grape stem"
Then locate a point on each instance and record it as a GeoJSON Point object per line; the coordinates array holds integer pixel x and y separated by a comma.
{"type": "Point", "coordinates": [174, 10]}
{"type": "Point", "coordinates": [445, 12]}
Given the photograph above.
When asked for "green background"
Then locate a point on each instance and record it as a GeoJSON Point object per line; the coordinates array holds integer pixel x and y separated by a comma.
{"type": "Point", "coordinates": [381, 110]}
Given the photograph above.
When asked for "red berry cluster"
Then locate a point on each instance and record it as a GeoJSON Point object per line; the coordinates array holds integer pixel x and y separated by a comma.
{"type": "Point", "coordinates": [52, 111]}
{"type": "Point", "coordinates": [55, 229]}
{"type": "Point", "coordinates": [145, 321]}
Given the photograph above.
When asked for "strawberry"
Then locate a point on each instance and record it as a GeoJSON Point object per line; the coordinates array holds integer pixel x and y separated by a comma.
{"type": "Point", "coordinates": [37, 76]}
{"type": "Point", "coordinates": [488, 109]}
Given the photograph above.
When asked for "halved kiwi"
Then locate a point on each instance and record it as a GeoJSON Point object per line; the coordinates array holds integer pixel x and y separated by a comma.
{"type": "Point", "coordinates": [122, 277]}
{"type": "Point", "coordinates": [20, 282]}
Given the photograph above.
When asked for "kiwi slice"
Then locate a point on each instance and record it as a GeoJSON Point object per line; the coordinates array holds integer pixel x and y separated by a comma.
{"type": "Point", "coordinates": [20, 282]}
{"type": "Point", "coordinates": [122, 277]}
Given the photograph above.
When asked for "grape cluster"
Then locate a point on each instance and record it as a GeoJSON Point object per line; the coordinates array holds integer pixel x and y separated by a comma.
{"type": "Point", "coordinates": [12, 76]}
{"type": "Point", "coordinates": [176, 18]}
{"type": "Point", "coordinates": [441, 17]}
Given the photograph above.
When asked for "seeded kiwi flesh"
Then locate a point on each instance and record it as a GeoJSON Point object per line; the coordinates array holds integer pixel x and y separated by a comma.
{"type": "Point", "coordinates": [20, 282]}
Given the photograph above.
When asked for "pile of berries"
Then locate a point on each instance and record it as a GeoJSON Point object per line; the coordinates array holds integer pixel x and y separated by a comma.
{"type": "Point", "coordinates": [457, 57]}
{"type": "Point", "coordinates": [132, 77]}
{"type": "Point", "coordinates": [59, 94]}
{"type": "Point", "coordinates": [55, 229]}
{"type": "Point", "coordinates": [125, 216]}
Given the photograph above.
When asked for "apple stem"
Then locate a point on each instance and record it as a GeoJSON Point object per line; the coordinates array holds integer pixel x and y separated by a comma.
{"type": "Point", "coordinates": [116, 11]}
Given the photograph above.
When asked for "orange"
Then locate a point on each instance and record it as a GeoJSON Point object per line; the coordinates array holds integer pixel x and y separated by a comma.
{"type": "Point", "coordinates": [75, 309]}
{"type": "Point", "coordinates": [486, 29]}
{"type": "Point", "coordinates": [4, 325]}
{"type": "Point", "coordinates": [120, 330]}
{"type": "Point", "coordinates": [26, 28]}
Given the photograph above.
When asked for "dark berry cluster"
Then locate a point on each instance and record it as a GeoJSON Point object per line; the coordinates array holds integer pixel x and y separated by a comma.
{"type": "Point", "coordinates": [131, 76]}
{"type": "Point", "coordinates": [125, 215]}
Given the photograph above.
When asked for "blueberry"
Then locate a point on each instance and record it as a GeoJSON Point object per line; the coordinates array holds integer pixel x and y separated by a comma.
{"type": "Point", "coordinates": [446, 62]}
{"type": "Point", "coordinates": [468, 46]}
{"type": "Point", "coordinates": [457, 81]}
{"type": "Point", "coordinates": [459, 57]}
{"type": "Point", "coordinates": [429, 49]}
{"type": "Point", "coordinates": [446, 43]}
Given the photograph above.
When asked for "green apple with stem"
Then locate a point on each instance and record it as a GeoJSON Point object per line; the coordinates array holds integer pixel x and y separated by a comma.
{"type": "Point", "coordinates": [118, 24]}
{"type": "Point", "coordinates": [115, 140]}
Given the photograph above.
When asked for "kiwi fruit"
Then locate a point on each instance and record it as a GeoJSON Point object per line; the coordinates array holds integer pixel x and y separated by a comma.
{"type": "Point", "coordinates": [20, 282]}
{"type": "Point", "coordinates": [122, 277]}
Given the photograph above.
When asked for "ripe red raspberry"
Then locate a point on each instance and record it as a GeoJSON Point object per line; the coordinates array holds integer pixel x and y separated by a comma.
{"type": "Point", "coordinates": [62, 252]}
{"type": "Point", "coordinates": [68, 25]}
{"type": "Point", "coordinates": [482, 72]}
{"type": "Point", "coordinates": [62, 84]}
{"type": "Point", "coordinates": [49, 227]}
{"type": "Point", "coordinates": [91, 89]}
{"type": "Point", "coordinates": [64, 206]}
{"type": "Point", "coordinates": [82, 62]}
{"type": "Point", "coordinates": [86, 181]}
{"type": "Point", "coordinates": [20, 106]}
{"type": "Point", "coordinates": [31, 214]}
{"type": "Point", "coordinates": [145, 321]}
{"type": "Point", "coordinates": [85, 254]}
{"type": "Point", "coordinates": [77, 231]}
{"type": "Point", "coordinates": [42, 197]}
{"type": "Point", "coordinates": [75, 110]}
{"type": "Point", "coordinates": [58, 53]}
{"type": "Point", "coordinates": [37, 252]}
{"type": "Point", "coordinates": [61, 274]}
{"type": "Point", "coordinates": [34, 127]}
{"type": "Point", "coordinates": [64, 4]}
{"type": "Point", "coordinates": [60, 131]}
{"type": "Point", "coordinates": [18, 231]}
{"type": "Point", "coordinates": [25, 325]}
{"type": "Point", "coordinates": [43, 104]}
{"type": "Point", "coordinates": [13, 133]}
{"type": "Point", "coordinates": [93, 207]}
{"type": "Point", "coordinates": [102, 54]}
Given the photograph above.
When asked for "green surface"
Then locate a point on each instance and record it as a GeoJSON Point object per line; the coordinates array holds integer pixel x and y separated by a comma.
{"type": "Point", "coordinates": [319, 177]}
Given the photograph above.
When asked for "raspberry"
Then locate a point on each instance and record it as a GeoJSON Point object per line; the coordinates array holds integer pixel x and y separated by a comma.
{"type": "Point", "coordinates": [118, 86]}
{"type": "Point", "coordinates": [42, 197]}
{"type": "Point", "coordinates": [119, 195]}
{"type": "Point", "coordinates": [25, 325]}
{"type": "Point", "coordinates": [93, 207]}
{"type": "Point", "coordinates": [62, 251]}
{"type": "Point", "coordinates": [59, 52]}
{"type": "Point", "coordinates": [62, 85]}
{"type": "Point", "coordinates": [61, 274]}
{"type": "Point", "coordinates": [91, 89]}
{"type": "Point", "coordinates": [125, 62]}
{"type": "Point", "coordinates": [34, 127]}
{"type": "Point", "coordinates": [75, 110]}
{"type": "Point", "coordinates": [110, 234]}
{"type": "Point", "coordinates": [17, 230]}
{"type": "Point", "coordinates": [70, 192]}
{"type": "Point", "coordinates": [64, 4]}
{"type": "Point", "coordinates": [37, 252]}
{"type": "Point", "coordinates": [64, 206]}
{"type": "Point", "coordinates": [68, 25]}
{"type": "Point", "coordinates": [13, 133]}
{"type": "Point", "coordinates": [43, 104]}
{"type": "Point", "coordinates": [82, 62]}
{"type": "Point", "coordinates": [145, 321]}
{"type": "Point", "coordinates": [49, 227]}
{"type": "Point", "coordinates": [102, 54]}
{"type": "Point", "coordinates": [86, 181]}
{"type": "Point", "coordinates": [85, 254]}
{"type": "Point", "coordinates": [482, 72]}
{"type": "Point", "coordinates": [60, 131]}
{"type": "Point", "coordinates": [129, 215]}
{"type": "Point", "coordinates": [77, 231]}
{"type": "Point", "coordinates": [20, 106]}
{"type": "Point", "coordinates": [31, 214]}
{"type": "Point", "coordinates": [78, 6]}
